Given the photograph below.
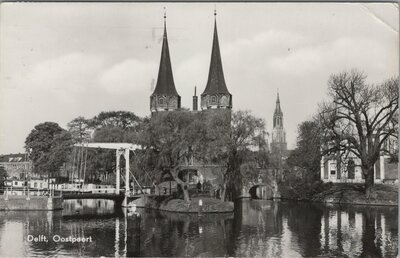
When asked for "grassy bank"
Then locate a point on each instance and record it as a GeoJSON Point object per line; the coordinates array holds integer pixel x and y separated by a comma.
{"type": "Point", "coordinates": [354, 194]}
{"type": "Point", "coordinates": [342, 193]}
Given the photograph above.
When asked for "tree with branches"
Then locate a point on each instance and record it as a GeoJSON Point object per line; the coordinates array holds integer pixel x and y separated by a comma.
{"type": "Point", "coordinates": [359, 119]}
{"type": "Point", "coordinates": [168, 141]}
{"type": "Point", "coordinates": [120, 119]}
{"type": "Point", "coordinates": [79, 129]}
{"type": "Point", "coordinates": [3, 176]}
{"type": "Point", "coordinates": [307, 154]}
{"type": "Point", "coordinates": [48, 146]}
{"type": "Point", "coordinates": [172, 139]}
{"type": "Point", "coordinates": [110, 126]}
{"type": "Point", "coordinates": [230, 138]}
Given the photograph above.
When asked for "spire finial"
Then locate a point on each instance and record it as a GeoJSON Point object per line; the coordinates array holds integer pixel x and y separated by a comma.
{"type": "Point", "coordinates": [165, 22]}
{"type": "Point", "coordinates": [277, 95]}
{"type": "Point", "coordinates": [195, 87]}
{"type": "Point", "coordinates": [215, 10]}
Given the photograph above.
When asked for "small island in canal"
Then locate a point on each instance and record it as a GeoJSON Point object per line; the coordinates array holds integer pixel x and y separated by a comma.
{"type": "Point", "coordinates": [195, 205]}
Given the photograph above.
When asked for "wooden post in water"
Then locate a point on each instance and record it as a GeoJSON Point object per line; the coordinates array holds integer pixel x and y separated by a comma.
{"type": "Point", "coordinates": [117, 172]}
{"type": "Point", "coordinates": [127, 190]}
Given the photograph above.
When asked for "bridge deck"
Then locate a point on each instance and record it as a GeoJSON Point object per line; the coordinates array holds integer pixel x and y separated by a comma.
{"type": "Point", "coordinates": [107, 196]}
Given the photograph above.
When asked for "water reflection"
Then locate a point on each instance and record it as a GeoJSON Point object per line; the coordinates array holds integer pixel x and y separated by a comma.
{"type": "Point", "coordinates": [172, 234]}
{"type": "Point", "coordinates": [257, 229]}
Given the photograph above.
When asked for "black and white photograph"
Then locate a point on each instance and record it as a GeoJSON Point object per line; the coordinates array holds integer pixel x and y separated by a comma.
{"type": "Point", "coordinates": [199, 129]}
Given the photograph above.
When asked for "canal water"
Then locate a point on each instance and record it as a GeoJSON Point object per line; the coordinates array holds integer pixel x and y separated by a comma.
{"type": "Point", "coordinates": [258, 228]}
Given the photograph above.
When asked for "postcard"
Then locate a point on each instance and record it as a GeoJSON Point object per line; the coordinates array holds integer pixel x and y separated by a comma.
{"type": "Point", "coordinates": [199, 129]}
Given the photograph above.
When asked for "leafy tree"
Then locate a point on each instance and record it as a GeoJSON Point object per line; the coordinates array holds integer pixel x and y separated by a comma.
{"type": "Point", "coordinates": [169, 138]}
{"type": "Point", "coordinates": [114, 126]}
{"type": "Point", "coordinates": [252, 170]}
{"type": "Point", "coordinates": [111, 126]}
{"type": "Point", "coordinates": [229, 138]}
{"type": "Point", "coordinates": [307, 154]}
{"type": "Point", "coordinates": [81, 132]}
{"type": "Point", "coordinates": [79, 129]}
{"type": "Point", "coordinates": [103, 160]}
{"type": "Point", "coordinates": [48, 146]}
{"type": "Point", "coordinates": [120, 119]}
{"type": "Point", "coordinates": [359, 119]}
{"type": "Point", "coordinates": [301, 171]}
{"type": "Point", "coordinates": [3, 175]}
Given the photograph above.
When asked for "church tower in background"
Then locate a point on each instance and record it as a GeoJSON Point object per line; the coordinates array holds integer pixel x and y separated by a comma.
{"type": "Point", "coordinates": [278, 143]}
{"type": "Point", "coordinates": [165, 97]}
{"type": "Point", "coordinates": [216, 94]}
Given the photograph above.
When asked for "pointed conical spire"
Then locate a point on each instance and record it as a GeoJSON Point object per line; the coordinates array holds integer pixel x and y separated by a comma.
{"type": "Point", "coordinates": [277, 99]}
{"type": "Point", "coordinates": [278, 110]}
{"type": "Point", "coordinates": [216, 81]}
{"type": "Point", "coordinates": [278, 114]}
{"type": "Point", "coordinates": [165, 80]}
{"type": "Point", "coordinates": [165, 97]}
{"type": "Point", "coordinates": [278, 143]}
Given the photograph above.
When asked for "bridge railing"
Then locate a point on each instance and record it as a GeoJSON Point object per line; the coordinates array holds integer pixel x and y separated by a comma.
{"type": "Point", "coordinates": [26, 191]}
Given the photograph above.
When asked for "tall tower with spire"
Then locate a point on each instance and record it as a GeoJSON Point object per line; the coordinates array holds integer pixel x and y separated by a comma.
{"type": "Point", "coordinates": [278, 142]}
{"type": "Point", "coordinates": [195, 100]}
{"type": "Point", "coordinates": [165, 97]}
{"type": "Point", "coordinates": [216, 94]}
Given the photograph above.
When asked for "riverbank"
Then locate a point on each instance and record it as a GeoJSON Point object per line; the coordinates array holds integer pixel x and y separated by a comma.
{"type": "Point", "coordinates": [354, 194]}
{"type": "Point", "coordinates": [33, 203]}
{"type": "Point", "coordinates": [348, 194]}
{"type": "Point", "coordinates": [195, 205]}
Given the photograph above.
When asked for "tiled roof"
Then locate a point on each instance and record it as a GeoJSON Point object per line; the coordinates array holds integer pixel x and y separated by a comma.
{"type": "Point", "coordinates": [20, 157]}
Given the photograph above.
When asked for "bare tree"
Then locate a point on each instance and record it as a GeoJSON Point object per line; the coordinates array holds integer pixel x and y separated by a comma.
{"type": "Point", "coordinates": [359, 119]}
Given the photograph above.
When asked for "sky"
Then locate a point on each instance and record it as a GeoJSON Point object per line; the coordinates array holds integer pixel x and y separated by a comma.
{"type": "Point", "coordinates": [59, 61]}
